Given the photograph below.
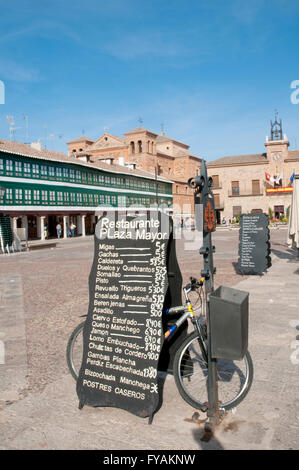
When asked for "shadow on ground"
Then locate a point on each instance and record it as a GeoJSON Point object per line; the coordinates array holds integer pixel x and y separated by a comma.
{"type": "Point", "coordinates": [289, 254]}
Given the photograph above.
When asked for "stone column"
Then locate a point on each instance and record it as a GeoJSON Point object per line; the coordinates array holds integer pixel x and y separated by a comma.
{"type": "Point", "coordinates": [38, 227]}
{"type": "Point", "coordinates": [14, 224]}
{"type": "Point", "coordinates": [65, 226]}
{"type": "Point", "coordinates": [79, 225]}
{"type": "Point", "coordinates": [83, 225]}
{"type": "Point", "coordinates": [42, 227]}
{"type": "Point", "coordinates": [25, 224]}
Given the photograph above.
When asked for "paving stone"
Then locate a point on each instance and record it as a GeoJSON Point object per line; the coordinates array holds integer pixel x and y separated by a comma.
{"type": "Point", "coordinates": [38, 401]}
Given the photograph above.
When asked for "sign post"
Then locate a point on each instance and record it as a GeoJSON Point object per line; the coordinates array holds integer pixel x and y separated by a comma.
{"type": "Point", "coordinates": [203, 195]}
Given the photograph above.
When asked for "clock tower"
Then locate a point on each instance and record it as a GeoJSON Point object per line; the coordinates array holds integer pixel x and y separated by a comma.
{"type": "Point", "coordinates": [276, 147]}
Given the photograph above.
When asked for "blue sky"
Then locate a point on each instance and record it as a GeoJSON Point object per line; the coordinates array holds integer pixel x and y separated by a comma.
{"type": "Point", "coordinates": [212, 72]}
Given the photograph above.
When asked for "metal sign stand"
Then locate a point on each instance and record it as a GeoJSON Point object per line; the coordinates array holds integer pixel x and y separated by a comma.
{"type": "Point", "coordinates": [203, 195]}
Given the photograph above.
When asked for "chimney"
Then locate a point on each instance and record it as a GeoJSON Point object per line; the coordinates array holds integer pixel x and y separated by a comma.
{"type": "Point", "coordinates": [37, 145]}
{"type": "Point", "coordinates": [131, 165]}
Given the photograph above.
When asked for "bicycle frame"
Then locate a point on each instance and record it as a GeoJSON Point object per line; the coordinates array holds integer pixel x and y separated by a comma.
{"type": "Point", "coordinates": [188, 313]}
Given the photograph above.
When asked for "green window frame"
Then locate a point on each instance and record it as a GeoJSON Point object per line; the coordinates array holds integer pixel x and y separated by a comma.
{"type": "Point", "coordinates": [18, 195]}
{"type": "Point", "coordinates": [72, 175]}
{"type": "Point", "coordinates": [27, 196]}
{"type": "Point", "coordinates": [59, 173]}
{"type": "Point", "coordinates": [59, 196]}
{"type": "Point", "coordinates": [44, 171]}
{"type": "Point", "coordinates": [122, 200]}
{"type": "Point", "coordinates": [44, 196]}
{"type": "Point", "coordinates": [18, 168]}
{"type": "Point", "coordinates": [9, 167]}
{"type": "Point", "coordinates": [36, 195]}
{"type": "Point", "coordinates": [27, 169]}
{"type": "Point", "coordinates": [8, 196]}
{"type": "Point", "coordinates": [52, 197]}
{"type": "Point", "coordinates": [35, 170]}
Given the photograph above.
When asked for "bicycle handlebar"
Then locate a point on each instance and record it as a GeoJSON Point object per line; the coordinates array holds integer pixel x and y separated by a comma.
{"type": "Point", "coordinates": [194, 283]}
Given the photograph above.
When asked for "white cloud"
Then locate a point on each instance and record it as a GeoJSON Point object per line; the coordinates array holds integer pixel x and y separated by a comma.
{"type": "Point", "coordinates": [143, 44]}
{"type": "Point", "coordinates": [12, 70]}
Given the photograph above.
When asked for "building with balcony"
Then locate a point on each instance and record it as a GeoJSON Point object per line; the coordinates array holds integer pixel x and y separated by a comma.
{"type": "Point", "coordinates": [147, 151]}
{"type": "Point", "coordinates": [257, 182]}
{"type": "Point", "coordinates": [41, 188]}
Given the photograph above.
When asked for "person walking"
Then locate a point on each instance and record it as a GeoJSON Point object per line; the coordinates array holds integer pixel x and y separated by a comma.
{"type": "Point", "coordinates": [58, 230]}
{"type": "Point", "coordinates": [72, 228]}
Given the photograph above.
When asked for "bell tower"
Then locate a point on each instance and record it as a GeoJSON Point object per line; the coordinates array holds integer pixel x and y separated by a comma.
{"type": "Point", "coordinates": [142, 148]}
{"type": "Point", "coordinates": [277, 145]}
{"type": "Point", "coordinates": [276, 129]}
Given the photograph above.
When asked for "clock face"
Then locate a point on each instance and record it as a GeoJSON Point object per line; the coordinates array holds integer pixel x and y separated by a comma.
{"type": "Point", "coordinates": [276, 156]}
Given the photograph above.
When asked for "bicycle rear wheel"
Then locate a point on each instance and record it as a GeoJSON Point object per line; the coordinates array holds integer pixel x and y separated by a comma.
{"type": "Point", "coordinates": [74, 351]}
{"type": "Point", "coordinates": [191, 375]}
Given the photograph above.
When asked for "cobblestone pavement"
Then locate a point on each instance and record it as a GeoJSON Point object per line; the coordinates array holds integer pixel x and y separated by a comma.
{"type": "Point", "coordinates": [55, 294]}
{"type": "Point", "coordinates": [52, 287]}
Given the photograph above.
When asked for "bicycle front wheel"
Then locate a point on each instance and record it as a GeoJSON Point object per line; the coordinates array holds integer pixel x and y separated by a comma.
{"type": "Point", "coordinates": [74, 351]}
{"type": "Point", "coordinates": [191, 376]}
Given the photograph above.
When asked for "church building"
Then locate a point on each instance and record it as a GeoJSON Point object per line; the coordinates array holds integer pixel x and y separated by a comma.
{"type": "Point", "coordinates": [143, 149]}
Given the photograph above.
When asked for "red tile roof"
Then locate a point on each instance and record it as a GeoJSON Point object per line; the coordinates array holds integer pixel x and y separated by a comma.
{"type": "Point", "coordinates": [239, 159]}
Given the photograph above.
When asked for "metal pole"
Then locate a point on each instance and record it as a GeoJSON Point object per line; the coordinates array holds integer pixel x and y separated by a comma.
{"type": "Point", "coordinates": [202, 185]}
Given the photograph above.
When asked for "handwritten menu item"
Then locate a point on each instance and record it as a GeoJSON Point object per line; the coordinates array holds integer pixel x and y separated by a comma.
{"type": "Point", "coordinates": [254, 244]}
{"type": "Point", "coordinates": [123, 335]}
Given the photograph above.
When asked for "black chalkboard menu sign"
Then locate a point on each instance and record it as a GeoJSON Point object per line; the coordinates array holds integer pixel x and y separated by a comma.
{"type": "Point", "coordinates": [254, 244]}
{"type": "Point", "coordinates": [123, 334]}
{"type": "Point", "coordinates": [6, 235]}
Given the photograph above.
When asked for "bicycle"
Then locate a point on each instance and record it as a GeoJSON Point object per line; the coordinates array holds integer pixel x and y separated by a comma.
{"type": "Point", "coordinates": [190, 366]}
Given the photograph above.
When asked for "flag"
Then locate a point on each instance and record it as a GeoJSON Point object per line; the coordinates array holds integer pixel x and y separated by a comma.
{"type": "Point", "coordinates": [292, 177]}
{"type": "Point", "coordinates": [267, 176]}
{"type": "Point", "coordinates": [278, 178]}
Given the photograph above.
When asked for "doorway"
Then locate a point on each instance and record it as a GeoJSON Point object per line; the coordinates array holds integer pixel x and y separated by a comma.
{"type": "Point", "coordinates": [32, 227]}
{"type": "Point", "coordinates": [278, 212]}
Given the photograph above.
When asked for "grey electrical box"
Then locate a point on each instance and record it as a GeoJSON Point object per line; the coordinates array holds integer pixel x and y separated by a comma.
{"type": "Point", "coordinates": [229, 323]}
